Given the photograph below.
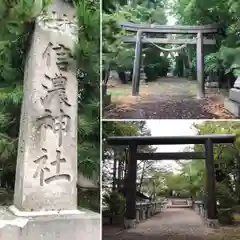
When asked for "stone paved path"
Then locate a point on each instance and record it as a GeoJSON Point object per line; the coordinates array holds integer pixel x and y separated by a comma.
{"type": "Point", "coordinates": [170, 224]}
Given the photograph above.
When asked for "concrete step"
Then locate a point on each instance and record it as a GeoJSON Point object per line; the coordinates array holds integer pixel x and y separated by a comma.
{"type": "Point", "coordinates": [178, 206]}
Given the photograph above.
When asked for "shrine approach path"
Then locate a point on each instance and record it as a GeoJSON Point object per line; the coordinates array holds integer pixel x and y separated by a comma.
{"type": "Point", "coordinates": [167, 98]}
{"type": "Point", "coordinates": [170, 224]}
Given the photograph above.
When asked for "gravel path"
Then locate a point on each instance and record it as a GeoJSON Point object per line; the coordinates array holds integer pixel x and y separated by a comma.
{"type": "Point", "coordinates": [170, 224]}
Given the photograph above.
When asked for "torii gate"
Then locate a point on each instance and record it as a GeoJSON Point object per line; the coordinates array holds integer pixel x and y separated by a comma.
{"type": "Point", "coordinates": [206, 140]}
{"type": "Point", "coordinates": [140, 29]}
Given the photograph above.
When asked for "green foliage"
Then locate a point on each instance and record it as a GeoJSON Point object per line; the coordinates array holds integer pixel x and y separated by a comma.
{"type": "Point", "coordinates": [212, 63]}
{"type": "Point", "coordinates": [155, 65]}
{"type": "Point", "coordinates": [228, 156]}
{"type": "Point", "coordinates": [120, 152]}
{"type": "Point", "coordinates": [178, 70]}
{"type": "Point", "coordinates": [119, 129]}
{"type": "Point", "coordinates": [225, 216]}
{"type": "Point", "coordinates": [87, 55]}
{"type": "Point", "coordinates": [119, 55]}
{"type": "Point", "coordinates": [115, 202]}
{"type": "Point", "coordinates": [140, 14]}
{"type": "Point", "coordinates": [230, 60]}
{"type": "Point", "coordinates": [17, 21]}
{"type": "Point", "coordinates": [225, 13]}
{"type": "Point", "coordinates": [190, 180]}
{"type": "Point", "coordinates": [226, 200]}
{"type": "Point", "coordinates": [225, 196]}
{"type": "Point", "coordinates": [89, 199]}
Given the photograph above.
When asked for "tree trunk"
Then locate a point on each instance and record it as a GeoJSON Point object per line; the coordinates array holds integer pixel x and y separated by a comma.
{"type": "Point", "coordinates": [238, 179]}
{"type": "Point", "coordinates": [114, 172]}
{"type": "Point", "coordinates": [141, 180]}
{"type": "Point", "coordinates": [106, 74]}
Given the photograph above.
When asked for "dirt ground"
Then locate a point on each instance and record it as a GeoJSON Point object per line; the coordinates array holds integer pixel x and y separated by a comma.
{"type": "Point", "coordinates": [172, 224]}
{"type": "Point", "coordinates": [167, 98]}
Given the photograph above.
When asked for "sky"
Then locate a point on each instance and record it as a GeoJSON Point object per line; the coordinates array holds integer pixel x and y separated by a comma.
{"type": "Point", "coordinates": [172, 128]}
{"type": "Point", "coordinates": [170, 19]}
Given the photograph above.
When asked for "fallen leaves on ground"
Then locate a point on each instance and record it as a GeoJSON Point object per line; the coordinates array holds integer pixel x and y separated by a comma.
{"type": "Point", "coordinates": [168, 98]}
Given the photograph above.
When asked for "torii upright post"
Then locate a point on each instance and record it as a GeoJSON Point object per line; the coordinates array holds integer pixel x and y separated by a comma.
{"type": "Point", "coordinates": [210, 184]}
{"type": "Point", "coordinates": [137, 65]}
{"type": "Point", "coordinates": [131, 187]}
{"type": "Point", "coordinates": [200, 67]}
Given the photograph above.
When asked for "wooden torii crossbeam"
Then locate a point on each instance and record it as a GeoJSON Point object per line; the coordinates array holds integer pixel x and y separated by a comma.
{"type": "Point", "coordinates": [134, 141]}
{"type": "Point", "coordinates": [140, 29]}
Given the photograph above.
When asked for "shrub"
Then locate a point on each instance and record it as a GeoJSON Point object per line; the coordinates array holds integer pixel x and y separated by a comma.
{"type": "Point", "coordinates": [115, 202]}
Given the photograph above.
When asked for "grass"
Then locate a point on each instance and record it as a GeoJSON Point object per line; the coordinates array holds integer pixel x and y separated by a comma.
{"type": "Point", "coordinates": [237, 217]}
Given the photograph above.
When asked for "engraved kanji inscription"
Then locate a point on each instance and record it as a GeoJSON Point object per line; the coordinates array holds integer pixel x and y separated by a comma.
{"type": "Point", "coordinates": [44, 166]}
{"type": "Point", "coordinates": [47, 54]}
{"type": "Point", "coordinates": [54, 116]}
{"type": "Point", "coordinates": [58, 91]}
{"type": "Point", "coordinates": [58, 124]}
{"type": "Point", "coordinates": [41, 168]}
{"type": "Point", "coordinates": [63, 54]}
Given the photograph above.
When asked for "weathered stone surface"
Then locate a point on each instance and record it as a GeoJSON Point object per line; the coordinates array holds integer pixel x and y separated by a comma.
{"type": "Point", "coordinates": [10, 225]}
{"type": "Point", "coordinates": [129, 223]}
{"type": "Point", "coordinates": [234, 94]}
{"type": "Point", "coordinates": [232, 106]}
{"type": "Point", "coordinates": [9, 231]}
{"type": "Point", "coordinates": [45, 197]}
{"type": "Point", "coordinates": [148, 212]}
{"type": "Point", "coordinates": [143, 214]}
{"type": "Point", "coordinates": [46, 172]}
{"type": "Point", "coordinates": [84, 226]}
{"type": "Point", "coordinates": [137, 215]}
{"type": "Point", "coordinates": [212, 223]}
{"type": "Point", "coordinates": [237, 83]}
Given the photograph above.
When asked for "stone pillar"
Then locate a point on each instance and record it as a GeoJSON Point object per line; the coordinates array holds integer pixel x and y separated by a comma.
{"type": "Point", "coordinates": [232, 104]}
{"type": "Point", "coordinates": [46, 174]}
{"type": "Point", "coordinates": [130, 215]}
{"type": "Point", "coordinates": [143, 213]}
{"type": "Point", "coordinates": [148, 211]}
{"type": "Point", "coordinates": [138, 215]}
{"type": "Point", "coordinates": [210, 184]}
{"type": "Point", "coordinates": [152, 209]}
{"type": "Point", "coordinates": [201, 210]}
{"type": "Point", "coordinates": [140, 212]}
{"type": "Point", "coordinates": [200, 67]}
{"type": "Point", "coordinates": [137, 65]}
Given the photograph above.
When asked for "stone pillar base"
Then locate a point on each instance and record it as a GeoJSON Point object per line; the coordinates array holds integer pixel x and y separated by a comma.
{"type": "Point", "coordinates": [212, 223]}
{"type": "Point", "coordinates": [84, 225]}
{"type": "Point", "coordinates": [18, 213]}
{"type": "Point", "coordinates": [234, 95]}
{"type": "Point", "coordinates": [148, 213]}
{"type": "Point", "coordinates": [137, 216]}
{"type": "Point", "coordinates": [232, 106]}
{"type": "Point", "coordinates": [129, 223]}
{"type": "Point", "coordinates": [143, 214]}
